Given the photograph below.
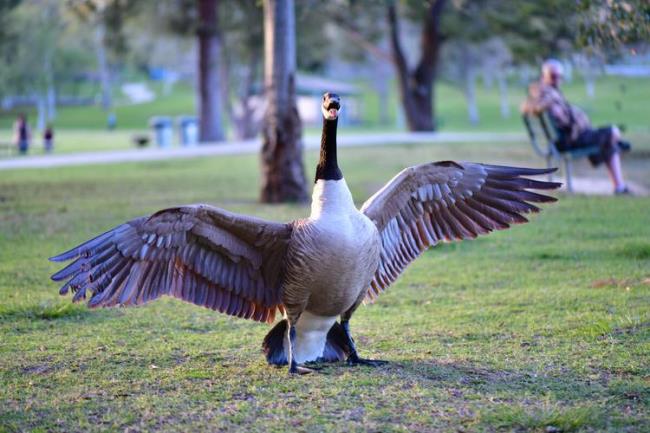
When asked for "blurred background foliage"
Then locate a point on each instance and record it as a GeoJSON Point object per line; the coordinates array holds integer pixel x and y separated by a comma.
{"type": "Point", "coordinates": [67, 62]}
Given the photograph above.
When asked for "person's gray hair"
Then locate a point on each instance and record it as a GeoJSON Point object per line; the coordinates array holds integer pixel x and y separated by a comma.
{"type": "Point", "coordinates": [552, 64]}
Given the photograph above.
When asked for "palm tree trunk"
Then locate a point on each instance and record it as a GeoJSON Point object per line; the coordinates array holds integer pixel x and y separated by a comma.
{"type": "Point", "coordinates": [283, 174]}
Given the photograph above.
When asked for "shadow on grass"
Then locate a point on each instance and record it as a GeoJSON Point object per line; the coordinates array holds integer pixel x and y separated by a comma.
{"type": "Point", "coordinates": [547, 255]}
{"type": "Point", "coordinates": [636, 250]}
{"type": "Point", "coordinates": [43, 311]}
{"type": "Point", "coordinates": [528, 400]}
{"type": "Point", "coordinates": [495, 399]}
{"type": "Point", "coordinates": [483, 379]}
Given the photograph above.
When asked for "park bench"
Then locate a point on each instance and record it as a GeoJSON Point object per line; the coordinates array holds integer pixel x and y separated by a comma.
{"type": "Point", "coordinates": [544, 136]}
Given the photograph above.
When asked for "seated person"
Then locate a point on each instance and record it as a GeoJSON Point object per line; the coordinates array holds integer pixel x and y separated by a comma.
{"type": "Point", "coordinates": [573, 126]}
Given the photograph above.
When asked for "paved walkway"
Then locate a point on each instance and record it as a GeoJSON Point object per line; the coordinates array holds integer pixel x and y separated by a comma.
{"type": "Point", "coordinates": [586, 185]}
{"type": "Point", "coordinates": [601, 186]}
{"type": "Point", "coordinates": [245, 147]}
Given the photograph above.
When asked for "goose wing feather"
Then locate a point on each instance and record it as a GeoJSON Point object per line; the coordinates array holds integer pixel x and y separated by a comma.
{"type": "Point", "coordinates": [201, 254]}
{"type": "Point", "coordinates": [446, 201]}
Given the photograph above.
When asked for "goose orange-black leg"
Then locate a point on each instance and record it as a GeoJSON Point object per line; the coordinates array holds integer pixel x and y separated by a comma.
{"type": "Point", "coordinates": [353, 357]}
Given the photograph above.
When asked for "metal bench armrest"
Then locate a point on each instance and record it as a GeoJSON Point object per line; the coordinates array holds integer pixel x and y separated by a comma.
{"type": "Point", "coordinates": [550, 131]}
{"type": "Point", "coordinates": [550, 147]}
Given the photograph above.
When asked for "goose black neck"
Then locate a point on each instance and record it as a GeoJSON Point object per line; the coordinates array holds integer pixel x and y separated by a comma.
{"type": "Point", "coordinates": [328, 168]}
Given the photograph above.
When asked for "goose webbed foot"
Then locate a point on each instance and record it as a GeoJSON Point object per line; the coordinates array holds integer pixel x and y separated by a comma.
{"type": "Point", "coordinates": [355, 360]}
{"type": "Point", "coordinates": [314, 365]}
{"type": "Point", "coordinates": [298, 369]}
{"type": "Point", "coordinates": [353, 357]}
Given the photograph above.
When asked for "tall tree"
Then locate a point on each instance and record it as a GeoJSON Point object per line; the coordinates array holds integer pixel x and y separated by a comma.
{"type": "Point", "coordinates": [199, 19]}
{"type": "Point", "coordinates": [210, 113]}
{"type": "Point", "coordinates": [614, 23]}
{"type": "Point", "coordinates": [242, 66]}
{"type": "Point", "coordinates": [283, 174]}
{"type": "Point", "coordinates": [8, 42]}
{"type": "Point", "coordinates": [107, 18]}
{"type": "Point", "coordinates": [243, 40]}
{"type": "Point", "coordinates": [31, 55]}
{"type": "Point", "coordinates": [416, 84]}
{"type": "Point", "coordinates": [103, 69]}
{"type": "Point", "coordinates": [530, 28]}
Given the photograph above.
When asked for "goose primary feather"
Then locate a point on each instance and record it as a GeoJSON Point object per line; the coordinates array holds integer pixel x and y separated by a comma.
{"type": "Point", "coordinates": [312, 271]}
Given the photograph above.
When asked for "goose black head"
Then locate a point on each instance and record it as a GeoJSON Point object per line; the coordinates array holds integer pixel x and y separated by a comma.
{"type": "Point", "coordinates": [328, 168]}
{"type": "Point", "coordinates": [331, 106]}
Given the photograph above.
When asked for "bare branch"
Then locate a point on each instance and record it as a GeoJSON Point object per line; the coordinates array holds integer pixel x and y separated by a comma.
{"type": "Point", "coordinates": [398, 52]}
{"type": "Point", "coordinates": [356, 36]}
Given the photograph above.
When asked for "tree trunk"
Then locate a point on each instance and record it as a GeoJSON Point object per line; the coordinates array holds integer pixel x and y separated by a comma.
{"type": "Point", "coordinates": [210, 126]}
{"type": "Point", "coordinates": [50, 92]}
{"type": "Point", "coordinates": [470, 95]}
{"type": "Point", "coordinates": [468, 73]}
{"type": "Point", "coordinates": [250, 125]}
{"type": "Point", "coordinates": [381, 74]}
{"type": "Point", "coordinates": [417, 86]}
{"type": "Point", "coordinates": [590, 84]}
{"type": "Point", "coordinates": [102, 66]}
{"type": "Point", "coordinates": [41, 110]}
{"type": "Point", "coordinates": [502, 79]}
{"type": "Point", "coordinates": [283, 174]}
{"type": "Point", "coordinates": [488, 78]}
{"type": "Point", "coordinates": [243, 118]}
{"type": "Point", "coordinates": [51, 103]}
{"type": "Point", "coordinates": [383, 91]}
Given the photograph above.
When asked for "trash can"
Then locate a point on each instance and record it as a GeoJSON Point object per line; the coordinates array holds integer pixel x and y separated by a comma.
{"type": "Point", "coordinates": [188, 127]}
{"type": "Point", "coordinates": [162, 130]}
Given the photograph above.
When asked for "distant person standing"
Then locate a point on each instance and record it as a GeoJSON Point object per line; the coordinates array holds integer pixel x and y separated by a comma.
{"type": "Point", "coordinates": [22, 134]}
{"type": "Point", "coordinates": [573, 126]}
{"type": "Point", "coordinates": [111, 121]}
{"type": "Point", "coordinates": [48, 138]}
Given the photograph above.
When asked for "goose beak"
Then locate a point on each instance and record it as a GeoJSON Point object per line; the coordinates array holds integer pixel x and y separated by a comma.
{"type": "Point", "coordinates": [331, 106]}
{"type": "Point", "coordinates": [331, 112]}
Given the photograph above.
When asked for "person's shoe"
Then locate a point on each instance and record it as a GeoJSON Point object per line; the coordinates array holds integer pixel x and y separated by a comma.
{"type": "Point", "coordinates": [623, 191]}
{"type": "Point", "coordinates": [624, 146]}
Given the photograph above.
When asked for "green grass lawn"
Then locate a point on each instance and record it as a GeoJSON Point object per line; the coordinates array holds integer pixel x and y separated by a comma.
{"type": "Point", "coordinates": [617, 100]}
{"type": "Point", "coordinates": [179, 101]}
{"type": "Point", "coordinates": [81, 140]}
{"type": "Point", "coordinates": [545, 325]}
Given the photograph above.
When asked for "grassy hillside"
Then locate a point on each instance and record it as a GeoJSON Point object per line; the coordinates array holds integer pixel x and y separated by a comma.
{"type": "Point", "coordinates": [544, 327]}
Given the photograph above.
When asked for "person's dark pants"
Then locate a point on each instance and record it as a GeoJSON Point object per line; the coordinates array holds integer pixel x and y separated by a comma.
{"type": "Point", "coordinates": [23, 146]}
{"type": "Point", "coordinates": [600, 139]}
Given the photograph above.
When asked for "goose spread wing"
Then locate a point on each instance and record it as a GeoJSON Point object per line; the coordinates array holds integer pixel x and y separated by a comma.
{"type": "Point", "coordinates": [443, 202]}
{"type": "Point", "coordinates": [201, 254]}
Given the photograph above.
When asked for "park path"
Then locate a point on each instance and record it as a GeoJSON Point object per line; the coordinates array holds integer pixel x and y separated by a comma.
{"type": "Point", "coordinates": [581, 185]}
{"type": "Point", "coordinates": [245, 147]}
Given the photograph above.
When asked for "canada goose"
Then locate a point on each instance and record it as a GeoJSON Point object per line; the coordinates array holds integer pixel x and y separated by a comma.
{"type": "Point", "coordinates": [311, 270]}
